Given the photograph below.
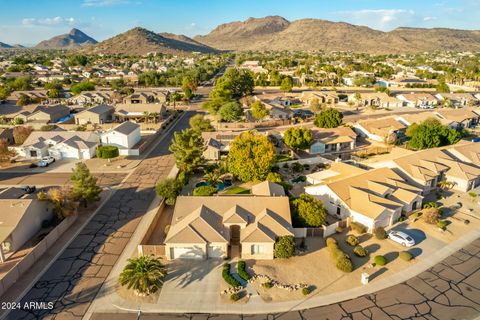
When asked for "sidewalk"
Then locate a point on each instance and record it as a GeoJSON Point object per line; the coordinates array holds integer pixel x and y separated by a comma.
{"type": "Point", "coordinates": [110, 302]}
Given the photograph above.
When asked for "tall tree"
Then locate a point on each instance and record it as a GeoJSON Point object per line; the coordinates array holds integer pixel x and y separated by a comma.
{"type": "Point", "coordinates": [259, 111]}
{"type": "Point", "coordinates": [144, 274]}
{"type": "Point", "coordinates": [85, 188]}
{"type": "Point", "coordinates": [329, 118]}
{"type": "Point", "coordinates": [287, 84]}
{"type": "Point", "coordinates": [199, 123]}
{"type": "Point", "coordinates": [431, 134]}
{"type": "Point", "coordinates": [251, 157]}
{"type": "Point", "coordinates": [187, 147]}
{"type": "Point", "coordinates": [230, 112]}
{"type": "Point", "coordinates": [308, 211]}
{"type": "Point", "coordinates": [298, 138]}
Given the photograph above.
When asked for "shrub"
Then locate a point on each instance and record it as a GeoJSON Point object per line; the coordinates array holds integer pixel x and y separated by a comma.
{"type": "Point", "coordinates": [405, 255]}
{"type": "Point", "coordinates": [380, 260]}
{"type": "Point", "coordinates": [430, 204]}
{"type": "Point", "coordinates": [204, 191]}
{"type": "Point", "coordinates": [228, 277]}
{"type": "Point", "coordinates": [306, 291]}
{"type": "Point", "coordinates": [431, 215]}
{"type": "Point", "coordinates": [344, 264]}
{"type": "Point", "coordinates": [358, 227]}
{"type": "Point", "coordinates": [442, 224]}
{"type": "Point", "coordinates": [297, 167]}
{"type": "Point", "coordinates": [235, 296]}
{"type": "Point", "coordinates": [360, 251]}
{"type": "Point", "coordinates": [380, 233]}
{"type": "Point", "coordinates": [338, 229]}
{"type": "Point", "coordinates": [267, 285]}
{"type": "Point", "coordinates": [342, 261]}
{"type": "Point", "coordinates": [241, 270]}
{"type": "Point", "coordinates": [107, 152]}
{"type": "Point", "coordinates": [401, 219]}
{"type": "Point", "coordinates": [284, 247]}
{"type": "Point", "coordinates": [352, 240]}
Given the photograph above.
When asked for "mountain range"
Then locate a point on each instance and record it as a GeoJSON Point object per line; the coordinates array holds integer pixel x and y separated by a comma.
{"type": "Point", "coordinates": [74, 39]}
{"type": "Point", "coordinates": [273, 33]}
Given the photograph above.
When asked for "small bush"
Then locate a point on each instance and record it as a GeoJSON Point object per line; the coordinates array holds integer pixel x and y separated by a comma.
{"type": "Point", "coordinates": [351, 240]}
{"type": "Point", "coordinates": [241, 270]}
{"type": "Point", "coordinates": [380, 260]}
{"type": "Point", "coordinates": [338, 229]}
{"type": "Point", "coordinates": [344, 264]}
{"type": "Point", "coordinates": [401, 219]}
{"type": "Point", "coordinates": [107, 152]}
{"type": "Point", "coordinates": [360, 251]}
{"type": "Point", "coordinates": [442, 224]}
{"type": "Point", "coordinates": [331, 241]}
{"type": "Point", "coordinates": [284, 247]}
{"type": "Point", "coordinates": [228, 277]}
{"type": "Point", "coordinates": [405, 255]}
{"type": "Point", "coordinates": [267, 285]}
{"type": "Point", "coordinates": [430, 204]}
{"type": "Point", "coordinates": [380, 233]}
{"type": "Point", "coordinates": [306, 291]}
{"type": "Point", "coordinates": [431, 215]}
{"type": "Point", "coordinates": [297, 167]}
{"type": "Point", "coordinates": [358, 227]}
{"type": "Point", "coordinates": [204, 191]}
{"type": "Point", "coordinates": [235, 297]}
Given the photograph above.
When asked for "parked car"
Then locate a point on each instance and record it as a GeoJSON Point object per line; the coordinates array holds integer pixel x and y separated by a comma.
{"type": "Point", "coordinates": [46, 161]}
{"type": "Point", "coordinates": [401, 237]}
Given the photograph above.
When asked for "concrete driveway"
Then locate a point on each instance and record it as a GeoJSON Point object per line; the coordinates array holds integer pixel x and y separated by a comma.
{"type": "Point", "coordinates": [192, 282]}
{"type": "Point", "coordinates": [424, 245]}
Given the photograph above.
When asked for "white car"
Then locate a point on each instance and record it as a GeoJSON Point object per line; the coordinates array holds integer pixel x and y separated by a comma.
{"type": "Point", "coordinates": [401, 237]}
{"type": "Point", "coordinates": [45, 161]}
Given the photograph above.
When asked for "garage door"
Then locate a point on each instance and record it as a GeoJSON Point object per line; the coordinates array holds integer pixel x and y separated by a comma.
{"type": "Point", "coordinates": [215, 251]}
{"type": "Point", "coordinates": [186, 253]}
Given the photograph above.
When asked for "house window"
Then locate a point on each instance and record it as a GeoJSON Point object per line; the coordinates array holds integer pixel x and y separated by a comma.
{"type": "Point", "coordinates": [339, 210]}
{"type": "Point", "coordinates": [33, 153]}
{"type": "Point", "coordinates": [258, 249]}
{"type": "Point", "coordinates": [414, 205]}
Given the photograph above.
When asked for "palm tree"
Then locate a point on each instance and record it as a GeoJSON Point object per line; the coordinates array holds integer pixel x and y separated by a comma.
{"type": "Point", "coordinates": [144, 274]}
{"type": "Point", "coordinates": [212, 177]}
{"type": "Point", "coordinates": [146, 115]}
{"type": "Point", "coordinates": [444, 184]}
{"type": "Point", "coordinates": [154, 116]}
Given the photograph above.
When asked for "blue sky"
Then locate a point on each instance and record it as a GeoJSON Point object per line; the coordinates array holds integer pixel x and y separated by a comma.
{"type": "Point", "coordinates": [28, 22]}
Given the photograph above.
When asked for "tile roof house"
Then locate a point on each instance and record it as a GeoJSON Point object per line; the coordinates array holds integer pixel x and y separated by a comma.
{"type": "Point", "coordinates": [459, 118]}
{"type": "Point", "coordinates": [96, 115]}
{"type": "Point", "coordinates": [218, 143]}
{"type": "Point", "coordinates": [138, 111]}
{"type": "Point", "coordinates": [376, 99]}
{"type": "Point", "coordinates": [50, 114]}
{"type": "Point", "coordinates": [418, 100]}
{"type": "Point", "coordinates": [219, 226]}
{"type": "Point", "coordinates": [458, 99]}
{"type": "Point", "coordinates": [374, 198]}
{"type": "Point", "coordinates": [382, 130]}
{"type": "Point", "coordinates": [59, 144]}
{"type": "Point", "coordinates": [428, 167]}
{"type": "Point", "coordinates": [334, 140]}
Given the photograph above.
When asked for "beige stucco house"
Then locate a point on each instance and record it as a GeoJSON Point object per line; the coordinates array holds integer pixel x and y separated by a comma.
{"type": "Point", "coordinates": [224, 226]}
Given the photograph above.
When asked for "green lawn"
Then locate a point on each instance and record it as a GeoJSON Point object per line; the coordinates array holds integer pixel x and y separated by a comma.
{"type": "Point", "coordinates": [237, 190]}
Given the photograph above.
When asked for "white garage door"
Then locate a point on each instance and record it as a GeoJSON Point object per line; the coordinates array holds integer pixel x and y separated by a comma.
{"type": "Point", "coordinates": [215, 251]}
{"type": "Point", "coordinates": [69, 154]}
{"type": "Point", "coordinates": [186, 253]}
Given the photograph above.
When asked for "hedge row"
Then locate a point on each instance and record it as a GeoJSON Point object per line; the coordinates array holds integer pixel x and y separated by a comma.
{"type": "Point", "coordinates": [241, 270]}
{"type": "Point", "coordinates": [107, 152]}
{"type": "Point", "coordinates": [228, 277]}
{"type": "Point", "coordinates": [342, 260]}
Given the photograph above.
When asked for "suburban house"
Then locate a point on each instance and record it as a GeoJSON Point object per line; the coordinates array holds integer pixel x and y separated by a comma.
{"type": "Point", "coordinates": [469, 152]}
{"type": "Point", "coordinates": [49, 114]}
{"type": "Point", "coordinates": [21, 219]}
{"type": "Point", "coordinates": [147, 96]}
{"type": "Point", "coordinates": [458, 100]}
{"type": "Point", "coordinates": [334, 140]}
{"type": "Point", "coordinates": [92, 97]}
{"type": "Point", "coordinates": [427, 168]}
{"type": "Point", "coordinates": [253, 66]}
{"type": "Point", "coordinates": [139, 111]}
{"type": "Point", "coordinates": [386, 129]}
{"type": "Point", "coordinates": [409, 119]}
{"type": "Point", "coordinates": [376, 99]}
{"type": "Point", "coordinates": [374, 198]}
{"type": "Point", "coordinates": [95, 115]}
{"type": "Point", "coordinates": [228, 226]}
{"type": "Point", "coordinates": [218, 143]}
{"type": "Point", "coordinates": [418, 100]}
{"type": "Point", "coordinates": [59, 144]}
{"type": "Point", "coordinates": [323, 97]}
{"type": "Point", "coordinates": [459, 118]}
{"type": "Point", "coordinates": [124, 136]}
{"type": "Point", "coordinates": [279, 113]}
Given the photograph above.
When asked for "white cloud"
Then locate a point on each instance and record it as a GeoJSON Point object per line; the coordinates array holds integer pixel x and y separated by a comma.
{"type": "Point", "coordinates": [55, 21]}
{"type": "Point", "coordinates": [379, 18]}
{"type": "Point", "coordinates": [429, 18]}
{"type": "Point", "coordinates": [103, 3]}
